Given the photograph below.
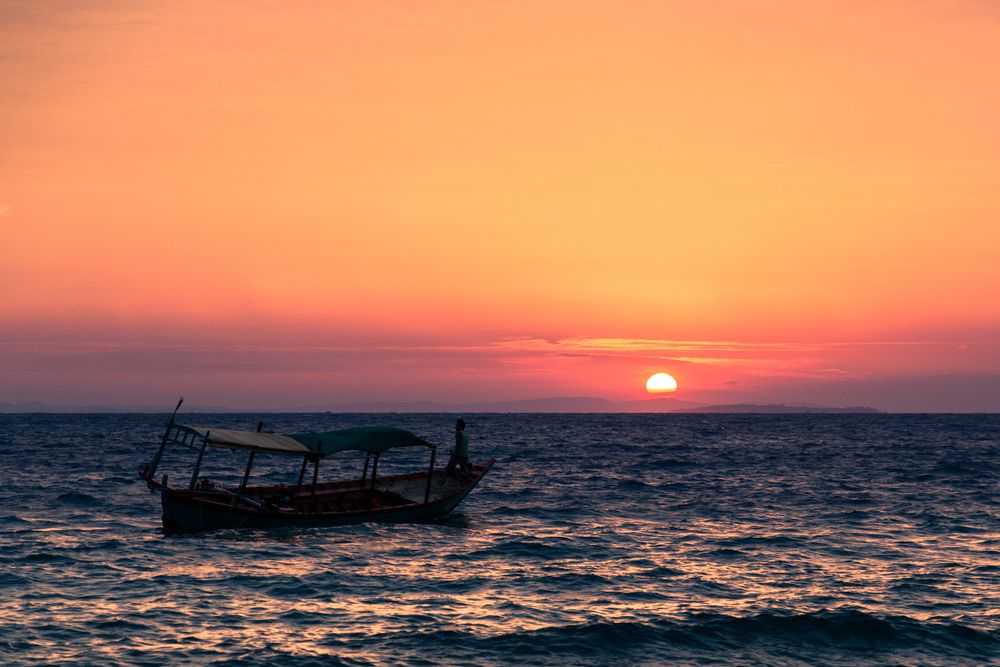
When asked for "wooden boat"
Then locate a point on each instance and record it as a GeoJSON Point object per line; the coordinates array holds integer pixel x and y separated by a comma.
{"type": "Point", "coordinates": [205, 505]}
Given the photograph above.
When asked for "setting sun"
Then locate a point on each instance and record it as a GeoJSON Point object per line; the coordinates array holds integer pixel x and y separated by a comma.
{"type": "Point", "coordinates": [661, 383]}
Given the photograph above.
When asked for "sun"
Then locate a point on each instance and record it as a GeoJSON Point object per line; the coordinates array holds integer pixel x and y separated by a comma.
{"type": "Point", "coordinates": [661, 383]}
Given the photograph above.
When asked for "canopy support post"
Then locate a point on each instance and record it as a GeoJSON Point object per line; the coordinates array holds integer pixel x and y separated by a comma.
{"type": "Point", "coordinates": [430, 476]}
{"type": "Point", "coordinates": [246, 475]}
{"type": "Point", "coordinates": [302, 474]}
{"type": "Point", "coordinates": [197, 464]}
{"type": "Point", "coordinates": [315, 477]}
{"type": "Point", "coordinates": [151, 470]}
{"type": "Point", "coordinates": [364, 472]}
{"type": "Point", "coordinates": [374, 469]}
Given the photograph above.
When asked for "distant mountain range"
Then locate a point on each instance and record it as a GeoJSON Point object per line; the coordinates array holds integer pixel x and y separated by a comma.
{"type": "Point", "coordinates": [773, 409]}
{"type": "Point", "coordinates": [551, 404]}
{"type": "Point", "coordinates": [586, 404]}
{"type": "Point", "coordinates": [564, 404]}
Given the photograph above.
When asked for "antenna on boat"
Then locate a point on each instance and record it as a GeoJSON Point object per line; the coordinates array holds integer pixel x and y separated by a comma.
{"type": "Point", "coordinates": [174, 414]}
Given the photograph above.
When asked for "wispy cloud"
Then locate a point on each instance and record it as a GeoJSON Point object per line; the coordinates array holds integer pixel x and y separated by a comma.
{"type": "Point", "coordinates": [678, 350]}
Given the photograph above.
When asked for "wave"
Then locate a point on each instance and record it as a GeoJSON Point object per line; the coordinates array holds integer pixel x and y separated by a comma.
{"type": "Point", "coordinates": [78, 499]}
{"type": "Point", "coordinates": [120, 480]}
{"type": "Point", "coordinates": [47, 558]}
{"type": "Point", "coordinates": [104, 546]}
{"type": "Point", "coordinates": [10, 580]}
{"type": "Point", "coordinates": [573, 580]}
{"type": "Point", "coordinates": [760, 540]}
{"type": "Point", "coordinates": [957, 467]}
{"type": "Point", "coordinates": [725, 553]}
{"type": "Point", "coordinates": [827, 637]}
{"type": "Point", "coordinates": [16, 645]}
{"type": "Point", "coordinates": [121, 624]}
{"type": "Point", "coordinates": [666, 463]}
{"type": "Point", "coordinates": [848, 631]}
{"type": "Point", "coordinates": [636, 485]}
{"type": "Point", "coordinates": [13, 519]}
{"type": "Point", "coordinates": [520, 549]}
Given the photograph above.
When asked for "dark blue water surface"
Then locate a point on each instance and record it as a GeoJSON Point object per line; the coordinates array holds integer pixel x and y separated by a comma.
{"type": "Point", "coordinates": [596, 539]}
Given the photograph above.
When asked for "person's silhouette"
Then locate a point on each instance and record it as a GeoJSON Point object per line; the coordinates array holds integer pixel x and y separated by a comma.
{"type": "Point", "coordinates": [460, 455]}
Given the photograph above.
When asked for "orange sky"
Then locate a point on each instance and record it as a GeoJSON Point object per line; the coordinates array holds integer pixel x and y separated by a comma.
{"type": "Point", "coordinates": [255, 204]}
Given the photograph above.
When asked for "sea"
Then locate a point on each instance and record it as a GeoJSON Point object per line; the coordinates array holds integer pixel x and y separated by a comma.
{"type": "Point", "coordinates": [596, 539]}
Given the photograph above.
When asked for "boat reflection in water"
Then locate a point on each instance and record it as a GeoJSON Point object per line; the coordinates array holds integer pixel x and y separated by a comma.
{"type": "Point", "coordinates": [205, 505]}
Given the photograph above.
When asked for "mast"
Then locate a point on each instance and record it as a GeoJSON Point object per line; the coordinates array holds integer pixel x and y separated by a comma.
{"type": "Point", "coordinates": [151, 469]}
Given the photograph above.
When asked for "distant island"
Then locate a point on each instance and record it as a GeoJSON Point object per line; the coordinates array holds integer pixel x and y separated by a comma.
{"type": "Point", "coordinates": [779, 409]}
{"type": "Point", "coordinates": [556, 404]}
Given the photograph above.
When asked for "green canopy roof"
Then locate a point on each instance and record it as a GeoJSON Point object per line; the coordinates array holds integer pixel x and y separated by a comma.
{"type": "Point", "coordinates": [371, 439]}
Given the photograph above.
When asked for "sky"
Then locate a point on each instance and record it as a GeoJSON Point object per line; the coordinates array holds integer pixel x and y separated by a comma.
{"type": "Point", "coordinates": [271, 205]}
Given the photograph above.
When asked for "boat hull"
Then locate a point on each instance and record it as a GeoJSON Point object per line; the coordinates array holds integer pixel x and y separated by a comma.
{"type": "Point", "coordinates": [191, 511]}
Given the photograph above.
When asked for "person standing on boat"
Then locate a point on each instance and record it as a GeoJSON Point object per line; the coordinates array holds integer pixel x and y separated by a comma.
{"type": "Point", "coordinates": [460, 455]}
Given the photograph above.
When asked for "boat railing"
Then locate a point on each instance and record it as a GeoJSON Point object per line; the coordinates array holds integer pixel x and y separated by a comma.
{"type": "Point", "coordinates": [177, 435]}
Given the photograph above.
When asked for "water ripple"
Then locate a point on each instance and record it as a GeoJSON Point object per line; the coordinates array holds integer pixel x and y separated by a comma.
{"type": "Point", "coordinates": [644, 539]}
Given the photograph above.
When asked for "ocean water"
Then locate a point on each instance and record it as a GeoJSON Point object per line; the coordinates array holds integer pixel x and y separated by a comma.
{"type": "Point", "coordinates": [596, 539]}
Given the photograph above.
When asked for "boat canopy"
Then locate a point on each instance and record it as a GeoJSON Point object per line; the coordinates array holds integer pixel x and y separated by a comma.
{"type": "Point", "coordinates": [370, 439]}
{"type": "Point", "coordinates": [224, 438]}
